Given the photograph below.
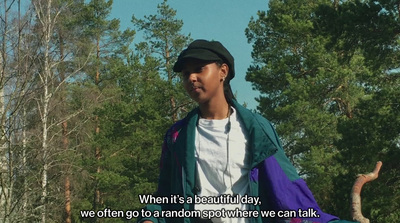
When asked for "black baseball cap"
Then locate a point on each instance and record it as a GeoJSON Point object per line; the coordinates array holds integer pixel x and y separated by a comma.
{"type": "Point", "coordinates": [207, 51]}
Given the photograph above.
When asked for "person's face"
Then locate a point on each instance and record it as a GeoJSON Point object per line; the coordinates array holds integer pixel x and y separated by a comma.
{"type": "Point", "coordinates": [204, 80]}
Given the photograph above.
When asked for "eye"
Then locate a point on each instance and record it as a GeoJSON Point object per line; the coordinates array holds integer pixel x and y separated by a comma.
{"type": "Point", "coordinates": [198, 69]}
{"type": "Point", "coordinates": [185, 74]}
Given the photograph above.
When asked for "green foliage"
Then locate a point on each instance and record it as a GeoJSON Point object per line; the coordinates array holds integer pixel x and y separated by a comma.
{"type": "Point", "coordinates": [373, 135]}
{"type": "Point", "coordinates": [130, 101]}
{"type": "Point", "coordinates": [113, 101]}
{"type": "Point", "coordinates": [372, 25]}
{"type": "Point", "coordinates": [163, 37]}
{"type": "Point", "coordinates": [328, 72]}
{"type": "Point", "coordinates": [163, 43]}
{"type": "Point", "coordinates": [319, 67]}
{"type": "Point", "coordinates": [108, 45]}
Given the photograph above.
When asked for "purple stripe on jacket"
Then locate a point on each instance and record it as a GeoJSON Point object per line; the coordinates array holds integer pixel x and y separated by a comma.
{"type": "Point", "coordinates": [284, 194]}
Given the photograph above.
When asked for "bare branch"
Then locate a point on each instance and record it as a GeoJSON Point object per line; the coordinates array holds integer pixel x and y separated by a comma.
{"type": "Point", "coordinates": [65, 119]}
{"type": "Point", "coordinates": [356, 193]}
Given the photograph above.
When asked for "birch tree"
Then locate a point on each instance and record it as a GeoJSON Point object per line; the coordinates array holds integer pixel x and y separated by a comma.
{"type": "Point", "coordinates": [46, 20]}
{"type": "Point", "coordinates": [109, 45]}
{"type": "Point", "coordinates": [52, 78]}
{"type": "Point", "coordinates": [14, 87]}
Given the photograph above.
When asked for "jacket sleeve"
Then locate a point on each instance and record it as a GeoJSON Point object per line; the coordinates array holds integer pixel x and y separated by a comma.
{"type": "Point", "coordinates": [282, 189]}
{"type": "Point", "coordinates": [163, 183]}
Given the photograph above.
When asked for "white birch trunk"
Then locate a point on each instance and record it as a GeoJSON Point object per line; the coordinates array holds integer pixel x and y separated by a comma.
{"type": "Point", "coordinates": [24, 168]}
{"type": "Point", "coordinates": [3, 150]}
{"type": "Point", "coordinates": [24, 138]}
{"type": "Point", "coordinates": [44, 16]}
{"type": "Point", "coordinates": [3, 144]}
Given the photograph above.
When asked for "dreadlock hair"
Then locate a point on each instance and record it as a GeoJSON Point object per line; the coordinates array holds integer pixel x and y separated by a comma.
{"type": "Point", "coordinates": [229, 97]}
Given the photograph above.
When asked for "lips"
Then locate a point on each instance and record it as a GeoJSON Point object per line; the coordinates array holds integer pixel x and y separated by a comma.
{"type": "Point", "coordinates": [195, 88]}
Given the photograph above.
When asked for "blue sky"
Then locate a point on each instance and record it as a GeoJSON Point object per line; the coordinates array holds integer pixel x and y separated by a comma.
{"type": "Point", "coordinates": [222, 20]}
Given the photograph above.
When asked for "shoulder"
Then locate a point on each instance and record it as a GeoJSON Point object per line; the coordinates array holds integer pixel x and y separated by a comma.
{"type": "Point", "coordinates": [258, 124]}
{"type": "Point", "coordinates": [173, 131]}
{"type": "Point", "coordinates": [253, 119]}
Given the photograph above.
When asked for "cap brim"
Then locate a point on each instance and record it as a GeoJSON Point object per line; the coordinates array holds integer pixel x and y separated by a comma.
{"type": "Point", "coordinates": [200, 54]}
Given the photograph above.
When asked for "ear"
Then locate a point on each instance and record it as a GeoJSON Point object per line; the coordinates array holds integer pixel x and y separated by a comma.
{"type": "Point", "coordinates": [224, 71]}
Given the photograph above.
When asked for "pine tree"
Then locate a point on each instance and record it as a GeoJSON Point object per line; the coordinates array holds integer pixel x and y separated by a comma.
{"type": "Point", "coordinates": [164, 41]}
{"type": "Point", "coordinates": [134, 122]}
{"type": "Point", "coordinates": [305, 89]}
{"type": "Point", "coordinates": [109, 45]}
{"type": "Point", "coordinates": [329, 76]}
{"type": "Point", "coordinates": [372, 29]}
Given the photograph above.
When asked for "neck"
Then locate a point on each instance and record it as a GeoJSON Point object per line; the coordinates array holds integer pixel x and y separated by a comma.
{"type": "Point", "coordinates": [216, 110]}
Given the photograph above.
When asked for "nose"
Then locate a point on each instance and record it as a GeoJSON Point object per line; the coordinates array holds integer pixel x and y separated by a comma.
{"type": "Point", "coordinates": [192, 77]}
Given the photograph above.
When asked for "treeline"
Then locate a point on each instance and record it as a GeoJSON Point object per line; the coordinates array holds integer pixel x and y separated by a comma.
{"type": "Point", "coordinates": [328, 71]}
{"type": "Point", "coordinates": [83, 110]}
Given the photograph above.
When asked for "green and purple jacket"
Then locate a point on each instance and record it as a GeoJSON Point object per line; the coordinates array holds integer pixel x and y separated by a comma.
{"type": "Point", "coordinates": [272, 177]}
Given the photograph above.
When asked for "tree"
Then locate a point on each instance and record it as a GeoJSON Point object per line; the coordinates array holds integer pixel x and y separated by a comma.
{"type": "Point", "coordinates": [15, 91]}
{"type": "Point", "coordinates": [305, 89]}
{"type": "Point", "coordinates": [109, 47]}
{"type": "Point", "coordinates": [109, 44]}
{"type": "Point", "coordinates": [67, 33]}
{"type": "Point", "coordinates": [313, 62]}
{"type": "Point", "coordinates": [164, 41]}
{"type": "Point", "coordinates": [159, 97]}
{"type": "Point", "coordinates": [52, 68]}
{"type": "Point", "coordinates": [372, 134]}
{"type": "Point", "coordinates": [134, 120]}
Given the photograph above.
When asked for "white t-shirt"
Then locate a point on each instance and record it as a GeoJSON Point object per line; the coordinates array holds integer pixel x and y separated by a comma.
{"type": "Point", "coordinates": [223, 166]}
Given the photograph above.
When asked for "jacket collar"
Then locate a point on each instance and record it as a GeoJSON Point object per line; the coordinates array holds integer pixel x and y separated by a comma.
{"type": "Point", "coordinates": [260, 134]}
{"type": "Point", "coordinates": [262, 139]}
